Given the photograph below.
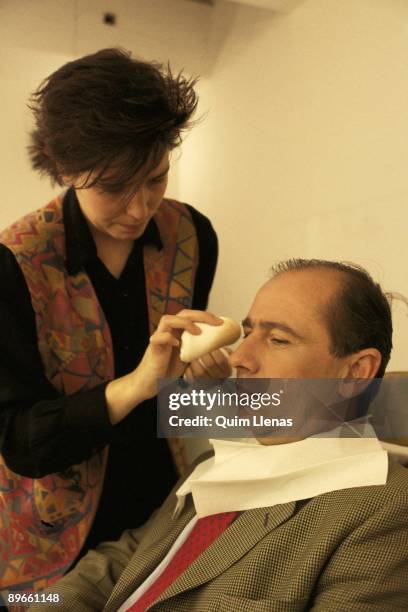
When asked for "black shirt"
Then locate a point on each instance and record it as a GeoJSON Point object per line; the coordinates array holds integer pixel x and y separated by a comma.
{"type": "Point", "coordinates": [42, 432]}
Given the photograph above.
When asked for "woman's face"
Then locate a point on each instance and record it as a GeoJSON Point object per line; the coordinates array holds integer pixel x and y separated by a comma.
{"type": "Point", "coordinates": [124, 216]}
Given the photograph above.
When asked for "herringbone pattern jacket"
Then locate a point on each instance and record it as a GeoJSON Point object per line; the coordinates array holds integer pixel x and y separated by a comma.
{"type": "Point", "coordinates": [344, 551]}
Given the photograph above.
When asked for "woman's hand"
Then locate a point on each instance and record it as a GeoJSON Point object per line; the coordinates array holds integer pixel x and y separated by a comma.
{"type": "Point", "coordinates": [162, 356]}
{"type": "Point", "coordinates": [212, 365]}
{"type": "Point", "coordinates": [161, 360]}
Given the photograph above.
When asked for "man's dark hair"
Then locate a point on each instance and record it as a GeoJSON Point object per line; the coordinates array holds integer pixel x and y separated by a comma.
{"type": "Point", "coordinates": [107, 112]}
{"type": "Point", "coordinates": [358, 316]}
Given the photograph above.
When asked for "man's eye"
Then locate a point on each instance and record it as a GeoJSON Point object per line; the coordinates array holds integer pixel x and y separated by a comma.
{"type": "Point", "coordinates": [279, 341]}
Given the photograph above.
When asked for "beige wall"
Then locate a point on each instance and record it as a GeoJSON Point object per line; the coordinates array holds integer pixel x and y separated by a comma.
{"type": "Point", "coordinates": [38, 36]}
{"type": "Point", "coordinates": [303, 151]}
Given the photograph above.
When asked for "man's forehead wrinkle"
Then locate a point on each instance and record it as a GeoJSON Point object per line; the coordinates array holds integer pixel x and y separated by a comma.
{"type": "Point", "coordinates": [268, 325]}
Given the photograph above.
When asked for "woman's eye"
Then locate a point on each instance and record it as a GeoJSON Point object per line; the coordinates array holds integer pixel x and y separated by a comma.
{"type": "Point", "coordinates": [110, 190]}
{"type": "Point", "coordinates": [158, 180]}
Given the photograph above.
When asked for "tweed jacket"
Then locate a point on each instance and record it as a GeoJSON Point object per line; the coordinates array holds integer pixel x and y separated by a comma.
{"type": "Point", "coordinates": [345, 550]}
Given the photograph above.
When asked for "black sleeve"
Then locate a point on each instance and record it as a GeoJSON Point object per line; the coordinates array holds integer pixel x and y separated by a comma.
{"type": "Point", "coordinates": [41, 432]}
{"type": "Point", "coordinates": [208, 255]}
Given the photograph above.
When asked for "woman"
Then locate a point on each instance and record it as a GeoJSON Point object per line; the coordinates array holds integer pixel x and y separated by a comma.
{"type": "Point", "coordinates": [84, 282]}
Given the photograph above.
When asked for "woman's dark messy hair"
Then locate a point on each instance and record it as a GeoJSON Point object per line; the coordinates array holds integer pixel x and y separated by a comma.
{"type": "Point", "coordinates": [109, 117]}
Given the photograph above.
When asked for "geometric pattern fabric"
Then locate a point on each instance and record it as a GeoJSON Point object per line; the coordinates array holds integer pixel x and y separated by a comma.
{"type": "Point", "coordinates": [44, 522]}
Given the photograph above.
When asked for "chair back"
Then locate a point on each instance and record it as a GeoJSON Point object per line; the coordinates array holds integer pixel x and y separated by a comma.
{"type": "Point", "coordinates": [392, 426]}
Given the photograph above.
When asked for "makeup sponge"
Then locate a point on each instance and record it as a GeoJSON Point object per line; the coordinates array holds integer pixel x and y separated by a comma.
{"type": "Point", "coordinates": [212, 337]}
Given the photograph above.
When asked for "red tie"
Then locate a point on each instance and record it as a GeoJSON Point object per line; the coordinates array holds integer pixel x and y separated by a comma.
{"type": "Point", "coordinates": [205, 531]}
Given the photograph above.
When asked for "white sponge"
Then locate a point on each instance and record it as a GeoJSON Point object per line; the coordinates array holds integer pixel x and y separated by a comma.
{"type": "Point", "coordinates": [212, 337]}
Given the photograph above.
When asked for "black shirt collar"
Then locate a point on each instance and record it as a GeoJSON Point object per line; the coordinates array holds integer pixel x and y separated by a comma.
{"type": "Point", "coordinates": [80, 246]}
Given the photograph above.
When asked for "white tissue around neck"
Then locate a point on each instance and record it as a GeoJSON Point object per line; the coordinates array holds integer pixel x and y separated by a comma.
{"type": "Point", "coordinates": [212, 337]}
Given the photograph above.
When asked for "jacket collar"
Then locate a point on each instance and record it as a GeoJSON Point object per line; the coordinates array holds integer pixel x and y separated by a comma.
{"type": "Point", "coordinates": [80, 247]}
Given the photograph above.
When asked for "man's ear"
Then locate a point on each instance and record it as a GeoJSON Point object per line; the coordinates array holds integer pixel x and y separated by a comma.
{"type": "Point", "coordinates": [362, 368]}
{"type": "Point", "coordinates": [365, 363]}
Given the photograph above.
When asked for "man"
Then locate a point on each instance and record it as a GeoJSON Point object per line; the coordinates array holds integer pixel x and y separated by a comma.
{"type": "Point", "coordinates": [340, 544]}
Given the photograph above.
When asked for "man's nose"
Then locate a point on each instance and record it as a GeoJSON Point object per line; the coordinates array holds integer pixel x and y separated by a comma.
{"type": "Point", "coordinates": [244, 357]}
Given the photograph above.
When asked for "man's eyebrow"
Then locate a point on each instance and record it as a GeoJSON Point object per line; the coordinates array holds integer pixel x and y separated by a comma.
{"type": "Point", "coordinates": [267, 325]}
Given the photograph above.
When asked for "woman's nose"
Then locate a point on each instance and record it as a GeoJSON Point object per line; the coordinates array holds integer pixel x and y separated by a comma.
{"type": "Point", "coordinates": [137, 207]}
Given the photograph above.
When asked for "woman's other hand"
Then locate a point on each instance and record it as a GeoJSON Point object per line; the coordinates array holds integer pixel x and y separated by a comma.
{"type": "Point", "coordinates": [212, 365]}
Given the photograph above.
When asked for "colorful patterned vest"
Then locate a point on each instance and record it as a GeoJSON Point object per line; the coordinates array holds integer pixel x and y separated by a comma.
{"type": "Point", "coordinates": [44, 521]}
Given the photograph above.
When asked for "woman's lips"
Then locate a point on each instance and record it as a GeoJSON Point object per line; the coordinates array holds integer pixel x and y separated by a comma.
{"type": "Point", "coordinates": [131, 228]}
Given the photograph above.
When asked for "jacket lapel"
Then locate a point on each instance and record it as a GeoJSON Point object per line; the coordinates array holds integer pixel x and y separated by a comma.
{"type": "Point", "coordinates": [154, 546]}
{"type": "Point", "coordinates": [242, 535]}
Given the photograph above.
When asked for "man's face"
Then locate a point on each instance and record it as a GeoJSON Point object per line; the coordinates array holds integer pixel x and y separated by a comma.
{"type": "Point", "coordinates": [122, 216]}
{"type": "Point", "coordinates": [285, 333]}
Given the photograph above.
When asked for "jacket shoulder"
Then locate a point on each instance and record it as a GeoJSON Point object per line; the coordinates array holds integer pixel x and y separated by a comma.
{"type": "Point", "coordinates": [359, 503]}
